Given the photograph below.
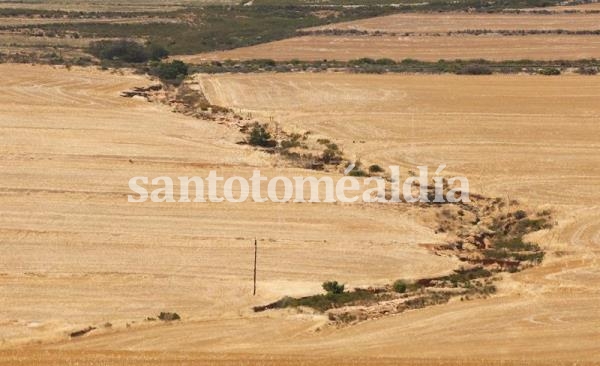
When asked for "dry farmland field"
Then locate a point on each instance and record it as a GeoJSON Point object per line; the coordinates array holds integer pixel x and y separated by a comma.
{"type": "Point", "coordinates": [84, 273]}
{"type": "Point", "coordinates": [426, 48]}
{"type": "Point", "coordinates": [75, 253]}
{"type": "Point", "coordinates": [581, 7]}
{"type": "Point", "coordinates": [133, 6]}
{"type": "Point", "coordinates": [435, 36]}
{"type": "Point", "coordinates": [461, 21]}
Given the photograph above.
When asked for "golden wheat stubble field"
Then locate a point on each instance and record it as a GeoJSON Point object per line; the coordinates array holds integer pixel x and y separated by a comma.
{"type": "Point", "coordinates": [531, 138]}
{"type": "Point", "coordinates": [424, 48]}
{"type": "Point", "coordinates": [462, 21]}
{"type": "Point", "coordinates": [76, 254]}
{"type": "Point", "coordinates": [592, 6]}
{"type": "Point", "coordinates": [424, 36]}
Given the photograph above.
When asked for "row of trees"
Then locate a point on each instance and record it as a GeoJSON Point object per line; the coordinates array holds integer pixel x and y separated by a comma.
{"type": "Point", "coordinates": [126, 51]}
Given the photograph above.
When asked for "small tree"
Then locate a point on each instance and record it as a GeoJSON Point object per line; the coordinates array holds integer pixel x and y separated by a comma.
{"type": "Point", "coordinates": [399, 286]}
{"type": "Point", "coordinates": [331, 154]}
{"type": "Point", "coordinates": [520, 214]}
{"type": "Point", "coordinates": [333, 287]}
{"type": "Point", "coordinates": [167, 317]}
{"type": "Point", "coordinates": [375, 169]}
{"type": "Point", "coordinates": [475, 69]}
{"type": "Point", "coordinates": [157, 52]}
{"type": "Point", "coordinates": [119, 50]}
{"type": "Point", "coordinates": [550, 71]}
{"type": "Point", "coordinates": [259, 136]}
{"type": "Point", "coordinates": [587, 70]}
{"type": "Point", "coordinates": [172, 70]}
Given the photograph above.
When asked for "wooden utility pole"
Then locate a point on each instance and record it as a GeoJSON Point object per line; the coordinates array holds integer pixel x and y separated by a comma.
{"type": "Point", "coordinates": [255, 257]}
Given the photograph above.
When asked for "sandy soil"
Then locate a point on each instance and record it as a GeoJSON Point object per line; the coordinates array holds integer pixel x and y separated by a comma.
{"type": "Point", "coordinates": [75, 253]}
{"type": "Point", "coordinates": [427, 48]}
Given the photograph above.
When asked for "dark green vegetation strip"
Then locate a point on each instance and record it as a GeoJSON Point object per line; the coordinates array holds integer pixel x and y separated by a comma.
{"type": "Point", "coordinates": [435, 5]}
{"type": "Point", "coordinates": [217, 27]}
{"type": "Point", "coordinates": [213, 27]}
{"type": "Point", "coordinates": [473, 32]}
{"type": "Point", "coordinates": [324, 302]}
{"type": "Point", "coordinates": [381, 66]}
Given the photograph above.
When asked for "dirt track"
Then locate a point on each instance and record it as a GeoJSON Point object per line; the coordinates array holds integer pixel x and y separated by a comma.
{"type": "Point", "coordinates": [75, 253]}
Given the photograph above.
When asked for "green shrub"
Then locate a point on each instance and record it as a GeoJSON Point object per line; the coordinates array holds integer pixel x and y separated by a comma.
{"type": "Point", "coordinates": [496, 254]}
{"type": "Point", "coordinates": [167, 317]}
{"type": "Point", "coordinates": [170, 71]}
{"type": "Point", "coordinates": [400, 286]}
{"type": "Point", "coordinates": [466, 275]}
{"type": "Point", "coordinates": [375, 169]}
{"type": "Point", "coordinates": [357, 172]}
{"type": "Point", "coordinates": [530, 225]}
{"type": "Point", "coordinates": [520, 214]}
{"type": "Point", "coordinates": [264, 63]}
{"type": "Point", "coordinates": [489, 290]}
{"type": "Point", "coordinates": [536, 257]}
{"type": "Point", "coordinates": [516, 245]}
{"type": "Point", "coordinates": [333, 147]}
{"type": "Point", "coordinates": [119, 50]}
{"type": "Point", "coordinates": [587, 70]}
{"type": "Point", "coordinates": [333, 287]}
{"type": "Point", "coordinates": [259, 136]}
{"type": "Point", "coordinates": [323, 302]}
{"type": "Point", "coordinates": [331, 155]}
{"type": "Point", "coordinates": [156, 52]}
{"type": "Point", "coordinates": [293, 141]}
{"type": "Point", "coordinates": [385, 61]}
{"type": "Point", "coordinates": [549, 71]}
{"type": "Point", "coordinates": [475, 69]}
{"type": "Point", "coordinates": [364, 60]}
